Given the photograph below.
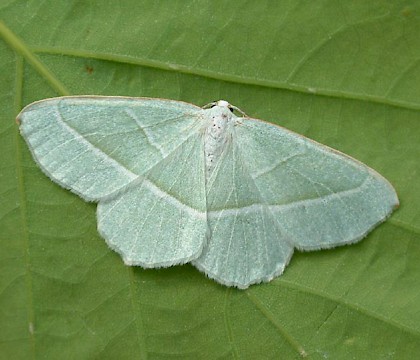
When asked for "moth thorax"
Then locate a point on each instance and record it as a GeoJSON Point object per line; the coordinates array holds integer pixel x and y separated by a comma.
{"type": "Point", "coordinates": [217, 134]}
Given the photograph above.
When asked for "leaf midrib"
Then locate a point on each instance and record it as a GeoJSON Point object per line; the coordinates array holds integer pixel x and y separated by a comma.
{"type": "Point", "coordinates": [215, 75]}
{"type": "Point", "coordinates": [30, 54]}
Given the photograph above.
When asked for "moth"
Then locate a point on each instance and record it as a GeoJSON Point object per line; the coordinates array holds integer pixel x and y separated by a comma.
{"type": "Point", "coordinates": [176, 183]}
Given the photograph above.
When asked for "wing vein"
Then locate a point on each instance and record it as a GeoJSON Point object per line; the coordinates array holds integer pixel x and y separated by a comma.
{"type": "Point", "coordinates": [273, 167]}
{"type": "Point", "coordinates": [254, 207]}
{"type": "Point", "coordinates": [105, 157]}
{"type": "Point", "coordinates": [142, 128]}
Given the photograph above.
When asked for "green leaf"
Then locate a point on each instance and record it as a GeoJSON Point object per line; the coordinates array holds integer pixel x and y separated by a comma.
{"type": "Point", "coordinates": [346, 74]}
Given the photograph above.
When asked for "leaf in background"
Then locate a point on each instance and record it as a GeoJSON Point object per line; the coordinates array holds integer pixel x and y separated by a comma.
{"type": "Point", "coordinates": [344, 74]}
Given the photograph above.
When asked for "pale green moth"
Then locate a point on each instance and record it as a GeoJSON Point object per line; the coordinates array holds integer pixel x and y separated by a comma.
{"type": "Point", "coordinates": [176, 183]}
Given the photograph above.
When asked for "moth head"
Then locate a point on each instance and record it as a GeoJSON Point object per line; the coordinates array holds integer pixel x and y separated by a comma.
{"type": "Point", "coordinates": [223, 103]}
